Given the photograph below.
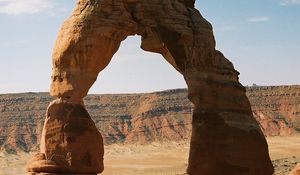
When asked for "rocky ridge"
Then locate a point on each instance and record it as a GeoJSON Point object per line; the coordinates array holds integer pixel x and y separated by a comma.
{"type": "Point", "coordinates": [276, 108]}
{"type": "Point", "coordinates": [141, 118]}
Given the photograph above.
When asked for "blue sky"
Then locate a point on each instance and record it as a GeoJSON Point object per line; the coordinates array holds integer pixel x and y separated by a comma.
{"type": "Point", "coordinates": [261, 38]}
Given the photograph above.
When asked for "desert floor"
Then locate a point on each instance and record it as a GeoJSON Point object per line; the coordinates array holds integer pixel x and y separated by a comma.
{"type": "Point", "coordinates": [161, 158]}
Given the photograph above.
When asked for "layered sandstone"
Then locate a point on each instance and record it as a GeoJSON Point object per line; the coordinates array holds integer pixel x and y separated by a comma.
{"type": "Point", "coordinates": [122, 118]}
{"type": "Point", "coordinates": [22, 117]}
{"type": "Point", "coordinates": [69, 132]}
{"type": "Point", "coordinates": [166, 115]}
{"type": "Point", "coordinates": [276, 108]}
{"type": "Point", "coordinates": [222, 120]}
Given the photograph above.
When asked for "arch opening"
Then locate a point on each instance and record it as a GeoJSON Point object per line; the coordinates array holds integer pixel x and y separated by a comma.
{"type": "Point", "coordinates": [133, 70]}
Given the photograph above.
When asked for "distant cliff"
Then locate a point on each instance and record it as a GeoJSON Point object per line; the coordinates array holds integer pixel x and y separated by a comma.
{"type": "Point", "coordinates": [141, 118]}
{"type": "Point", "coordinates": [277, 108]}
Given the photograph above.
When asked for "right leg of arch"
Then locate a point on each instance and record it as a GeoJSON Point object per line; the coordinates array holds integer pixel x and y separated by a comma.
{"type": "Point", "coordinates": [226, 139]}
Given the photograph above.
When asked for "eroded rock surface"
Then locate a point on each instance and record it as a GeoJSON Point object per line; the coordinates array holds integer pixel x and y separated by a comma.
{"type": "Point", "coordinates": [276, 108]}
{"type": "Point", "coordinates": [226, 139]}
{"type": "Point", "coordinates": [70, 143]}
{"type": "Point", "coordinates": [159, 116]}
{"type": "Point", "coordinates": [140, 118]}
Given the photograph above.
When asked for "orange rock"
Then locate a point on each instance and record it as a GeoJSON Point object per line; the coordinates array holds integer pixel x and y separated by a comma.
{"type": "Point", "coordinates": [70, 142]}
{"type": "Point", "coordinates": [296, 170]}
{"type": "Point", "coordinates": [226, 139]}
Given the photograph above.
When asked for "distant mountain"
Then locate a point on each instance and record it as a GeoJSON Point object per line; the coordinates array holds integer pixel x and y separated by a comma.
{"type": "Point", "coordinates": [141, 118]}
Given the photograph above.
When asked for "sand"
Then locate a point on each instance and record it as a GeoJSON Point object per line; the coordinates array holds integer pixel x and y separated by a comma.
{"type": "Point", "coordinates": [161, 158]}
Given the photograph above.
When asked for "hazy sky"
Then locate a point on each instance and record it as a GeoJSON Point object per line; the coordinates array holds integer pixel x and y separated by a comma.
{"type": "Point", "coordinates": [261, 38]}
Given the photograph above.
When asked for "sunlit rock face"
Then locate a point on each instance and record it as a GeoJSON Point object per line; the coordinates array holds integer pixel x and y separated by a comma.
{"type": "Point", "coordinates": [226, 139]}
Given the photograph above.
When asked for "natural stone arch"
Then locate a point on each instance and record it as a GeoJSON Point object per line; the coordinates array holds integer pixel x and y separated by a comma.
{"type": "Point", "coordinates": [226, 139]}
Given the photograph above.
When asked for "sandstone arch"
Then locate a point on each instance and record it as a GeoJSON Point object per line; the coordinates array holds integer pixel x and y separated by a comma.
{"type": "Point", "coordinates": [226, 138]}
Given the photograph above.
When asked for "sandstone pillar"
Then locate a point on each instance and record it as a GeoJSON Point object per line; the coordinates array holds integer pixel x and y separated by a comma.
{"type": "Point", "coordinates": [226, 139]}
{"type": "Point", "coordinates": [71, 143]}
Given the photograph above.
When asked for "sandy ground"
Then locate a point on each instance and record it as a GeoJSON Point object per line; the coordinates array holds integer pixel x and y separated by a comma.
{"type": "Point", "coordinates": [285, 153]}
{"type": "Point", "coordinates": [161, 159]}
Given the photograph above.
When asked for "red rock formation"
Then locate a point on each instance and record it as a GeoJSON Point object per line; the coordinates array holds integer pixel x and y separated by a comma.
{"type": "Point", "coordinates": [276, 108]}
{"type": "Point", "coordinates": [119, 117]}
{"type": "Point", "coordinates": [226, 139]}
{"type": "Point", "coordinates": [70, 143]}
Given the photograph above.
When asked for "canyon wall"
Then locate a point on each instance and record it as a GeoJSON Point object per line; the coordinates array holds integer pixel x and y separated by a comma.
{"type": "Point", "coordinates": [142, 118]}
